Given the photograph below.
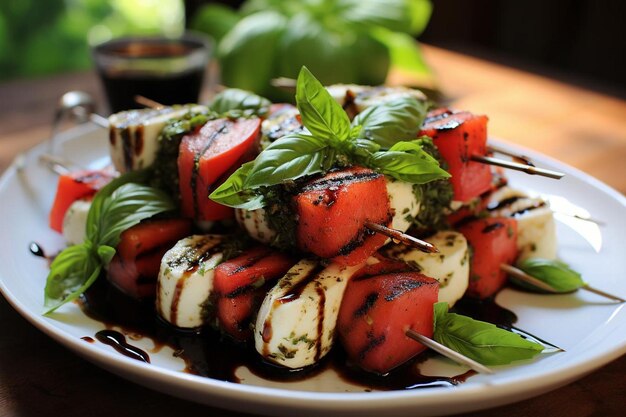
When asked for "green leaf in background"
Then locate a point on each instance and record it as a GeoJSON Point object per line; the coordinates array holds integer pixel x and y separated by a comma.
{"type": "Point", "coordinates": [216, 20]}
{"type": "Point", "coordinates": [420, 12]}
{"type": "Point", "coordinates": [371, 57]}
{"type": "Point", "coordinates": [233, 194]}
{"type": "Point", "coordinates": [556, 274]}
{"type": "Point", "coordinates": [248, 52]}
{"type": "Point", "coordinates": [405, 52]}
{"type": "Point", "coordinates": [289, 158]}
{"type": "Point", "coordinates": [320, 113]}
{"type": "Point", "coordinates": [391, 14]}
{"type": "Point", "coordinates": [308, 42]}
{"type": "Point", "coordinates": [408, 162]}
{"type": "Point", "coordinates": [392, 122]}
{"type": "Point", "coordinates": [479, 340]}
{"type": "Point", "coordinates": [234, 100]}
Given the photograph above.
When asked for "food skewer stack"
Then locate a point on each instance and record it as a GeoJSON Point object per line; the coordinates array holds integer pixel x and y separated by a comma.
{"type": "Point", "coordinates": [333, 198]}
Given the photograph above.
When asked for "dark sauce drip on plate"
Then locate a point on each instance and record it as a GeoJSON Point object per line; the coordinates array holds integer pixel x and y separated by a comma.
{"type": "Point", "coordinates": [207, 352]}
{"type": "Point", "coordinates": [36, 249]}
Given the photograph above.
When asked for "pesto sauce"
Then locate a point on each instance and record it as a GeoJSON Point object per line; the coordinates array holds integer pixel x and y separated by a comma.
{"type": "Point", "coordinates": [280, 214]}
{"type": "Point", "coordinates": [434, 197]}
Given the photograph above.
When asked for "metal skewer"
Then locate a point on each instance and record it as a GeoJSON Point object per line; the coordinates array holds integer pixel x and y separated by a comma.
{"type": "Point", "coordinates": [520, 158]}
{"type": "Point", "coordinates": [402, 237]}
{"type": "Point", "coordinates": [523, 276]}
{"type": "Point", "coordinates": [447, 352]}
{"type": "Point", "coordinates": [528, 169]}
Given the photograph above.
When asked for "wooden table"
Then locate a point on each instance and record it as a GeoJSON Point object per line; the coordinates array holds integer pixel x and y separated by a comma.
{"type": "Point", "coordinates": [38, 377]}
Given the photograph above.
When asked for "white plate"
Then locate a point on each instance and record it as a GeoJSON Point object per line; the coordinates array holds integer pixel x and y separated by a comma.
{"type": "Point", "coordinates": [590, 329]}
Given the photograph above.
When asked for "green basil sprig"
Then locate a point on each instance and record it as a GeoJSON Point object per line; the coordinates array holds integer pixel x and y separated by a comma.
{"type": "Point", "coordinates": [367, 141]}
{"type": "Point", "coordinates": [234, 102]}
{"type": "Point", "coordinates": [481, 341]}
{"type": "Point", "coordinates": [556, 274]}
{"type": "Point", "coordinates": [119, 205]}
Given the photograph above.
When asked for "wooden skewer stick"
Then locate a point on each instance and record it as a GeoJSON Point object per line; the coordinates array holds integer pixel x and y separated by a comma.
{"type": "Point", "coordinates": [523, 276]}
{"type": "Point", "coordinates": [145, 101]}
{"type": "Point", "coordinates": [447, 352]}
{"type": "Point", "coordinates": [528, 169]}
{"type": "Point", "coordinates": [402, 237]}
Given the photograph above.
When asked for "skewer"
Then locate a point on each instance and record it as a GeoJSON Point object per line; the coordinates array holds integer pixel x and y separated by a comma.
{"type": "Point", "coordinates": [57, 165]}
{"type": "Point", "coordinates": [447, 352]}
{"type": "Point", "coordinates": [145, 101]}
{"type": "Point", "coordinates": [523, 159]}
{"type": "Point", "coordinates": [523, 276]}
{"type": "Point", "coordinates": [528, 169]}
{"type": "Point", "coordinates": [397, 235]}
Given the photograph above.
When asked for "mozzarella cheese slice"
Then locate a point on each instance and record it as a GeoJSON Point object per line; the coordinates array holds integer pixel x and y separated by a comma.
{"type": "Point", "coordinates": [185, 280]}
{"type": "Point", "coordinates": [536, 228]}
{"type": "Point", "coordinates": [295, 326]}
{"type": "Point", "coordinates": [134, 134]}
{"type": "Point", "coordinates": [75, 221]}
{"type": "Point", "coordinates": [450, 266]}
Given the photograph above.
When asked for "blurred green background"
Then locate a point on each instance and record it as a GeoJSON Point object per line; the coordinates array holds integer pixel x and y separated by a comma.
{"type": "Point", "coordinates": [40, 37]}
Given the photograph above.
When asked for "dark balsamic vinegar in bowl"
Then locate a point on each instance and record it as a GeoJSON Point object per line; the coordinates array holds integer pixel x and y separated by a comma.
{"type": "Point", "coordinates": [168, 71]}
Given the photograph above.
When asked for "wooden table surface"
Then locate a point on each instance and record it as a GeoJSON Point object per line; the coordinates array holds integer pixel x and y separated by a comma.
{"type": "Point", "coordinates": [38, 377]}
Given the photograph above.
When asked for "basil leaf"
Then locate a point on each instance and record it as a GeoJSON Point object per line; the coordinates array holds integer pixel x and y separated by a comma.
{"type": "Point", "coordinates": [71, 273]}
{"type": "Point", "coordinates": [95, 210]}
{"type": "Point", "coordinates": [556, 274]}
{"type": "Point", "coordinates": [233, 194]}
{"type": "Point", "coordinates": [125, 207]}
{"type": "Point", "coordinates": [116, 207]}
{"type": "Point", "coordinates": [391, 14]}
{"type": "Point", "coordinates": [236, 102]}
{"type": "Point", "coordinates": [320, 113]}
{"type": "Point", "coordinates": [247, 53]}
{"type": "Point", "coordinates": [392, 122]}
{"type": "Point", "coordinates": [420, 11]}
{"type": "Point", "coordinates": [404, 51]}
{"type": "Point", "coordinates": [408, 162]}
{"type": "Point", "coordinates": [216, 20]}
{"type": "Point", "coordinates": [481, 341]}
{"type": "Point", "coordinates": [289, 158]}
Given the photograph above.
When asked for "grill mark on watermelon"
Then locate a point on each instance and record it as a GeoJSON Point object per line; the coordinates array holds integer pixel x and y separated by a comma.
{"type": "Point", "coordinates": [492, 227]}
{"type": "Point", "coordinates": [242, 290]}
{"type": "Point", "coordinates": [373, 342]}
{"type": "Point", "coordinates": [360, 237]}
{"type": "Point", "coordinates": [437, 116]}
{"type": "Point", "coordinates": [369, 302]}
{"type": "Point", "coordinates": [340, 181]}
{"type": "Point", "coordinates": [251, 261]}
{"type": "Point", "coordinates": [404, 286]}
{"type": "Point", "coordinates": [223, 129]}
